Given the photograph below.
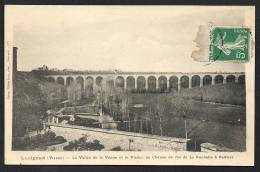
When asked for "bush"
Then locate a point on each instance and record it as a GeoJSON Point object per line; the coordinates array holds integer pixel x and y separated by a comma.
{"type": "Point", "coordinates": [69, 147]}
{"type": "Point", "coordinates": [41, 140]}
{"type": "Point", "coordinates": [117, 148]}
{"type": "Point", "coordinates": [60, 139]}
{"type": "Point", "coordinates": [82, 144]}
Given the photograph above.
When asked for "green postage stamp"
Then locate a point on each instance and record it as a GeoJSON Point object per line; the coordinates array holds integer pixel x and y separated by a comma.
{"type": "Point", "coordinates": [229, 44]}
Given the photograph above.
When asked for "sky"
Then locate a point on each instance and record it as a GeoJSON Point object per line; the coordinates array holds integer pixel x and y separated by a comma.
{"type": "Point", "coordinates": [128, 38]}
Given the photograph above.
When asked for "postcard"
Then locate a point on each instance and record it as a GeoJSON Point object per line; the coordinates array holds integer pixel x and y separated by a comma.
{"type": "Point", "coordinates": [129, 85]}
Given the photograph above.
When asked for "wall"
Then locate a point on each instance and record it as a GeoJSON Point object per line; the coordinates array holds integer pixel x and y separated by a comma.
{"type": "Point", "coordinates": [209, 147]}
{"type": "Point", "coordinates": [114, 138]}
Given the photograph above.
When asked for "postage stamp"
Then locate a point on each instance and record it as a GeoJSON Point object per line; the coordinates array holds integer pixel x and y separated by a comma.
{"type": "Point", "coordinates": [229, 44]}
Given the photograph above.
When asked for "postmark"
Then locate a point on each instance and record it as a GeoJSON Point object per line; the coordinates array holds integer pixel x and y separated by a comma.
{"type": "Point", "coordinates": [229, 44]}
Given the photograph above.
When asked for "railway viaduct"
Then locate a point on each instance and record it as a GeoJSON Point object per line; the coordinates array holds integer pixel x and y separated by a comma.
{"type": "Point", "coordinates": [172, 81]}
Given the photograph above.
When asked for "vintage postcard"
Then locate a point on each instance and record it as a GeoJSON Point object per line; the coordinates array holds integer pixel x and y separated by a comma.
{"type": "Point", "coordinates": [129, 85]}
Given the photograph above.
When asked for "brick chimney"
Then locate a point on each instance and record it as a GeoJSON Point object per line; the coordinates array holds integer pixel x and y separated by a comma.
{"type": "Point", "coordinates": [15, 49]}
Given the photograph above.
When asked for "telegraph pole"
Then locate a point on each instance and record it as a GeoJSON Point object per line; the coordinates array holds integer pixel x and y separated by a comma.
{"type": "Point", "coordinates": [160, 118]}
{"type": "Point", "coordinates": [186, 134]}
{"type": "Point", "coordinates": [185, 126]}
{"type": "Point", "coordinates": [129, 124]}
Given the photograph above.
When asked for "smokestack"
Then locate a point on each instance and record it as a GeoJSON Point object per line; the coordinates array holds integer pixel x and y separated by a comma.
{"type": "Point", "coordinates": [15, 49]}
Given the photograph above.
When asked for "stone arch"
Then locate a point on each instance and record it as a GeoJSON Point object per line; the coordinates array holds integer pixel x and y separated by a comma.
{"type": "Point", "coordinates": [184, 82]}
{"type": "Point", "coordinates": [89, 80]}
{"type": "Point", "coordinates": [195, 81]}
{"type": "Point", "coordinates": [241, 79]}
{"type": "Point", "coordinates": [80, 82]}
{"type": "Point", "coordinates": [130, 82]}
{"type": "Point", "coordinates": [219, 79]}
{"type": "Point", "coordinates": [69, 81]}
{"type": "Point", "coordinates": [207, 80]}
{"type": "Point", "coordinates": [60, 80]}
{"type": "Point", "coordinates": [162, 81]}
{"type": "Point", "coordinates": [78, 87]}
{"type": "Point", "coordinates": [110, 83]}
{"type": "Point", "coordinates": [50, 79]}
{"type": "Point", "coordinates": [140, 83]}
{"type": "Point", "coordinates": [120, 82]}
{"type": "Point", "coordinates": [89, 86]}
{"type": "Point", "coordinates": [173, 83]}
{"type": "Point", "coordinates": [151, 83]}
{"type": "Point", "coordinates": [99, 81]}
{"type": "Point", "coordinates": [230, 78]}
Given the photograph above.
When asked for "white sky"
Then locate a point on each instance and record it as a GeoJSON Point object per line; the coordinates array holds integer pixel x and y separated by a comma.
{"type": "Point", "coordinates": [129, 38]}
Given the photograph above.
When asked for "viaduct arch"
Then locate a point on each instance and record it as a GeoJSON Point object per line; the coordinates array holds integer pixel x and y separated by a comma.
{"type": "Point", "coordinates": [148, 81]}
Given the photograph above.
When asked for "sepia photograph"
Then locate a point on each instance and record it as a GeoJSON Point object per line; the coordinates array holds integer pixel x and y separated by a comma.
{"type": "Point", "coordinates": [86, 81]}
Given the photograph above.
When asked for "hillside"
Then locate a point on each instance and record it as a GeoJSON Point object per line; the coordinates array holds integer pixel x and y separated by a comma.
{"type": "Point", "coordinates": [32, 95]}
{"type": "Point", "coordinates": [230, 93]}
{"type": "Point", "coordinates": [215, 114]}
